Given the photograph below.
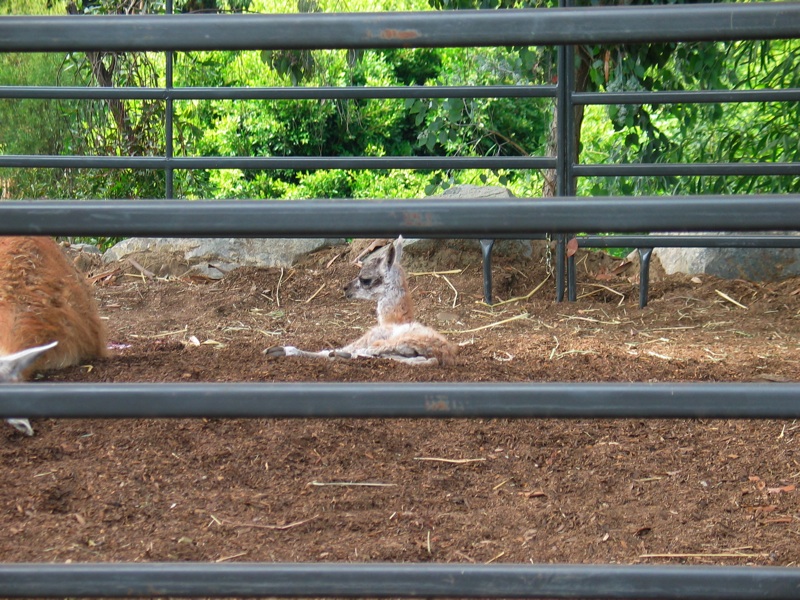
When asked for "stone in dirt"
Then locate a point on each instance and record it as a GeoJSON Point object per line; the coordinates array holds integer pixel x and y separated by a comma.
{"type": "Point", "coordinates": [212, 257]}
{"type": "Point", "coordinates": [752, 264]}
{"type": "Point", "coordinates": [460, 253]}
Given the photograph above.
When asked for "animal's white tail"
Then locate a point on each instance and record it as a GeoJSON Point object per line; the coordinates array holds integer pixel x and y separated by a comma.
{"type": "Point", "coordinates": [397, 335]}
{"type": "Point", "coordinates": [43, 299]}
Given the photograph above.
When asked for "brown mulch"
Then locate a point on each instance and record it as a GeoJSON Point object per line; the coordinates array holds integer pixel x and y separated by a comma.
{"type": "Point", "coordinates": [624, 491]}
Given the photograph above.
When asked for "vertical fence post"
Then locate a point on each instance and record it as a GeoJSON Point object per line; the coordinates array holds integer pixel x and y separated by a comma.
{"type": "Point", "coordinates": [561, 167]}
{"type": "Point", "coordinates": [169, 184]}
{"type": "Point", "coordinates": [565, 149]}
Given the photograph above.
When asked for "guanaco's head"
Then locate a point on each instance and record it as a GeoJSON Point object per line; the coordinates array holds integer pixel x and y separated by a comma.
{"type": "Point", "coordinates": [380, 277]}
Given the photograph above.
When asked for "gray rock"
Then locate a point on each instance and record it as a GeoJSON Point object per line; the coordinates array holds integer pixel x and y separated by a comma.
{"type": "Point", "coordinates": [212, 257]}
{"type": "Point", "coordinates": [469, 249]}
{"type": "Point", "coordinates": [475, 191]}
{"type": "Point", "coordinates": [754, 264]}
{"type": "Point", "coordinates": [87, 248]}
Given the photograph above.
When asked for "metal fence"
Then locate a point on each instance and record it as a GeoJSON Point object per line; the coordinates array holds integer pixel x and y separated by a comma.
{"type": "Point", "coordinates": [469, 218]}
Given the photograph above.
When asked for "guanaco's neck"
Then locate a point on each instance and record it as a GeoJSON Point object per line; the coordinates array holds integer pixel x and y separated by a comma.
{"type": "Point", "coordinates": [395, 306]}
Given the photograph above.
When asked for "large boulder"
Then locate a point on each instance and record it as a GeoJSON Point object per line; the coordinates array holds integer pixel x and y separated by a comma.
{"type": "Point", "coordinates": [458, 253]}
{"type": "Point", "coordinates": [754, 264]}
{"type": "Point", "coordinates": [216, 256]}
{"type": "Point", "coordinates": [212, 257]}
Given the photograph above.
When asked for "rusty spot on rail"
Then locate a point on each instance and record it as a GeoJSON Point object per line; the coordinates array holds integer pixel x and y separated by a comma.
{"type": "Point", "coordinates": [399, 34]}
{"type": "Point", "coordinates": [442, 403]}
{"type": "Point", "coordinates": [437, 405]}
{"type": "Point", "coordinates": [418, 219]}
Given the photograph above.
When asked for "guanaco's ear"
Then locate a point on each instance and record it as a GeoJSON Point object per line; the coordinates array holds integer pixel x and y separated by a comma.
{"type": "Point", "coordinates": [395, 252]}
{"type": "Point", "coordinates": [12, 366]}
{"type": "Point", "coordinates": [390, 257]}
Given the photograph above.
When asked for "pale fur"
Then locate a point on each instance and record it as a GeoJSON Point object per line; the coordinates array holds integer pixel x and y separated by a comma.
{"type": "Point", "coordinates": [44, 299]}
{"type": "Point", "coordinates": [397, 335]}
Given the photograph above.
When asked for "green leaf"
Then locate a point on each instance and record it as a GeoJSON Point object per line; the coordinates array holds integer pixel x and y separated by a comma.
{"type": "Point", "coordinates": [430, 143]}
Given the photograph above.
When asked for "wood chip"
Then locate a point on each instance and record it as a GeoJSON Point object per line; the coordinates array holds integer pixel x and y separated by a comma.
{"type": "Point", "coordinates": [273, 527]}
{"type": "Point", "coordinates": [452, 461]}
{"type": "Point", "coordinates": [706, 555]}
{"type": "Point", "coordinates": [351, 484]}
{"type": "Point", "coordinates": [731, 300]}
{"type": "Point", "coordinates": [490, 325]}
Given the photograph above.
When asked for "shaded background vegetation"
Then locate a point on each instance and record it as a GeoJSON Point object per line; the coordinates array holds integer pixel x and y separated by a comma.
{"type": "Point", "coordinates": [425, 127]}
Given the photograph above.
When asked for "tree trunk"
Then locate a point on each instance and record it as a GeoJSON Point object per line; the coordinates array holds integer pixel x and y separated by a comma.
{"type": "Point", "coordinates": [104, 77]}
{"type": "Point", "coordinates": [581, 83]}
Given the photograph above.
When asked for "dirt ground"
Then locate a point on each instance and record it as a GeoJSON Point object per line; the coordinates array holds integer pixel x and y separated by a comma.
{"type": "Point", "coordinates": [620, 491]}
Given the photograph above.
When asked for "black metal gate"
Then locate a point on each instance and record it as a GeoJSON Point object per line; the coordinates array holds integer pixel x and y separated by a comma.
{"type": "Point", "coordinates": [475, 218]}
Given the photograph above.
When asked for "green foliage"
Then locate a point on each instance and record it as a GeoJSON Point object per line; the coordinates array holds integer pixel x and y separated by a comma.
{"type": "Point", "coordinates": [33, 126]}
{"type": "Point", "coordinates": [413, 66]}
{"type": "Point", "coordinates": [102, 243]}
{"type": "Point", "coordinates": [479, 4]}
{"type": "Point", "coordinates": [414, 127]}
{"type": "Point", "coordinates": [110, 7]}
{"type": "Point", "coordinates": [214, 6]}
{"type": "Point", "coordinates": [353, 128]}
{"type": "Point", "coordinates": [705, 133]}
{"type": "Point", "coordinates": [30, 126]}
{"type": "Point", "coordinates": [110, 128]}
{"type": "Point", "coordinates": [298, 65]}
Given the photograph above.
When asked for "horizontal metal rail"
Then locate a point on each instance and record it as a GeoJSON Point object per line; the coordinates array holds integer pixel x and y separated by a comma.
{"type": "Point", "coordinates": [394, 92]}
{"type": "Point", "coordinates": [689, 241]}
{"type": "Point", "coordinates": [476, 218]}
{"type": "Point", "coordinates": [278, 93]}
{"type": "Point", "coordinates": [628, 24]}
{"type": "Point", "coordinates": [686, 97]}
{"type": "Point", "coordinates": [403, 400]}
{"type": "Point", "coordinates": [279, 162]}
{"type": "Point", "coordinates": [396, 162]}
{"type": "Point", "coordinates": [694, 169]}
{"type": "Point", "coordinates": [379, 580]}
{"type": "Point", "coordinates": [467, 218]}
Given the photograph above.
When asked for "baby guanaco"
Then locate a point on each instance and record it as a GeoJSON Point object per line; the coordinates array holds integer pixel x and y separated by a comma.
{"type": "Point", "coordinates": [397, 335]}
